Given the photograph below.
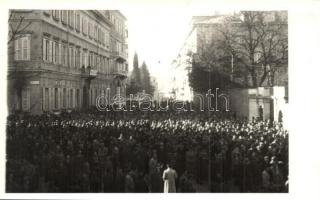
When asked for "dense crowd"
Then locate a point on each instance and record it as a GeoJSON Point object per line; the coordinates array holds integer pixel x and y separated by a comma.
{"type": "Point", "coordinates": [123, 152]}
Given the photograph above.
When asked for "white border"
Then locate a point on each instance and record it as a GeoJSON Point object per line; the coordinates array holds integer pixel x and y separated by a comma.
{"type": "Point", "coordinates": [304, 98]}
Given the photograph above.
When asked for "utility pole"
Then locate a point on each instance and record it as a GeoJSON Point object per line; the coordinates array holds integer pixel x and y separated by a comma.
{"type": "Point", "coordinates": [209, 160]}
{"type": "Point", "coordinates": [231, 67]}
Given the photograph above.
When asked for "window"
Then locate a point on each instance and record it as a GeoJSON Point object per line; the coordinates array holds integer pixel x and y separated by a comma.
{"type": "Point", "coordinates": [103, 65]}
{"type": "Point", "coordinates": [57, 52]}
{"type": "Point", "coordinates": [71, 57]}
{"type": "Point", "coordinates": [119, 47]}
{"type": "Point", "coordinates": [90, 59]}
{"type": "Point", "coordinates": [56, 98]}
{"type": "Point", "coordinates": [45, 44]}
{"type": "Point", "coordinates": [94, 64]}
{"type": "Point", "coordinates": [59, 59]}
{"type": "Point", "coordinates": [85, 59]}
{"type": "Point", "coordinates": [103, 38]}
{"type": "Point", "coordinates": [56, 14]}
{"type": "Point", "coordinates": [47, 50]}
{"type": "Point", "coordinates": [46, 99]}
{"type": "Point", "coordinates": [108, 66]}
{"type": "Point", "coordinates": [98, 63]}
{"type": "Point", "coordinates": [80, 58]}
{"type": "Point", "coordinates": [71, 98]}
{"type": "Point", "coordinates": [98, 37]}
{"type": "Point", "coordinates": [91, 97]}
{"type": "Point", "coordinates": [95, 96]}
{"type": "Point", "coordinates": [90, 29]}
{"type": "Point", "coordinates": [53, 52]}
{"type": "Point", "coordinates": [95, 32]}
{"type": "Point", "coordinates": [64, 16]}
{"type": "Point", "coordinates": [64, 98]}
{"type": "Point", "coordinates": [77, 57]}
{"type": "Point", "coordinates": [84, 26]}
{"type": "Point", "coordinates": [77, 98]}
{"type": "Point", "coordinates": [64, 55]}
{"type": "Point", "coordinates": [107, 40]}
{"type": "Point", "coordinates": [50, 51]}
{"type": "Point", "coordinates": [22, 48]}
{"type": "Point", "coordinates": [77, 21]}
{"type": "Point", "coordinates": [71, 18]}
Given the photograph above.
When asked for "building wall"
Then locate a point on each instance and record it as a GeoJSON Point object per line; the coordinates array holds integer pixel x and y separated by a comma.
{"type": "Point", "coordinates": [239, 102]}
{"type": "Point", "coordinates": [48, 85]}
{"type": "Point", "coordinates": [246, 102]}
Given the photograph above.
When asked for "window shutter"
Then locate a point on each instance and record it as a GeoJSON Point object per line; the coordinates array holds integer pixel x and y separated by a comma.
{"type": "Point", "coordinates": [65, 54]}
{"type": "Point", "coordinates": [54, 52]}
{"type": "Point", "coordinates": [19, 50]}
{"type": "Point", "coordinates": [85, 59]}
{"type": "Point", "coordinates": [80, 58]}
{"type": "Point", "coordinates": [80, 24]}
{"type": "Point", "coordinates": [50, 51]}
{"type": "Point", "coordinates": [44, 49]}
{"type": "Point", "coordinates": [16, 47]}
{"type": "Point", "coordinates": [59, 54]}
{"type": "Point", "coordinates": [24, 48]}
{"type": "Point", "coordinates": [70, 54]}
{"type": "Point", "coordinates": [73, 56]}
{"type": "Point", "coordinates": [28, 48]}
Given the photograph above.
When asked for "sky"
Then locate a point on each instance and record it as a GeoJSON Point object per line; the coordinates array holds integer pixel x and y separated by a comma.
{"type": "Point", "coordinates": [157, 36]}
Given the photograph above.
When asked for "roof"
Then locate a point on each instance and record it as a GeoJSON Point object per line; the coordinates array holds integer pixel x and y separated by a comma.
{"type": "Point", "coordinates": [215, 19]}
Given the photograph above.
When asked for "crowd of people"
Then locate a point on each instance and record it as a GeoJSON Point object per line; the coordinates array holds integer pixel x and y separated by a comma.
{"type": "Point", "coordinates": [123, 152]}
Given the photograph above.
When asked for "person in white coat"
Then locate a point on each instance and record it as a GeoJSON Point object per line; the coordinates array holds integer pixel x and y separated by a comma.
{"type": "Point", "coordinates": [169, 177]}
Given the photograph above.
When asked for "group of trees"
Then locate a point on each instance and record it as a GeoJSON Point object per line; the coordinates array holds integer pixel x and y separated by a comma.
{"type": "Point", "coordinates": [139, 79]}
{"type": "Point", "coordinates": [251, 46]}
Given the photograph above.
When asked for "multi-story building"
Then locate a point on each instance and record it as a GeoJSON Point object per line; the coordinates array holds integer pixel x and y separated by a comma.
{"type": "Point", "coordinates": [205, 30]}
{"type": "Point", "coordinates": [65, 59]}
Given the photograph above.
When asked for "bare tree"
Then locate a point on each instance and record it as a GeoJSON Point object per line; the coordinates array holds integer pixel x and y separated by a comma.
{"type": "Point", "coordinates": [258, 43]}
{"type": "Point", "coordinates": [17, 25]}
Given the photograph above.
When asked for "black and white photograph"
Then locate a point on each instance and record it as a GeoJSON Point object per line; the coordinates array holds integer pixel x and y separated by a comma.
{"type": "Point", "coordinates": [126, 100]}
{"type": "Point", "coordinates": [81, 121]}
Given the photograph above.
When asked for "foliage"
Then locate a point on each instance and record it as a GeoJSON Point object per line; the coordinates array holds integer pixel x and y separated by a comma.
{"type": "Point", "coordinates": [246, 49]}
{"type": "Point", "coordinates": [145, 79]}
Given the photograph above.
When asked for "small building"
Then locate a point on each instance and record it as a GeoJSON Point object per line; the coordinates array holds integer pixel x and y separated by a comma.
{"type": "Point", "coordinates": [262, 102]}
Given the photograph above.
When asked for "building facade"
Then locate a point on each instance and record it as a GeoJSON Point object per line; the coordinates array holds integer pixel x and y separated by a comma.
{"type": "Point", "coordinates": [65, 59]}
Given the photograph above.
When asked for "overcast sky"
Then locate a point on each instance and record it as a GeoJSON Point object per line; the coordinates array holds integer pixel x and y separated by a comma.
{"type": "Point", "coordinates": [157, 34]}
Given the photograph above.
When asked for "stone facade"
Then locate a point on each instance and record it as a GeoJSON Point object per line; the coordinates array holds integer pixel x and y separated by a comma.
{"type": "Point", "coordinates": [65, 59]}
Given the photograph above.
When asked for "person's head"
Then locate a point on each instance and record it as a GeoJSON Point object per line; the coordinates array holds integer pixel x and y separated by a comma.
{"type": "Point", "coordinates": [154, 154]}
{"type": "Point", "coordinates": [274, 160]}
{"type": "Point", "coordinates": [266, 159]}
{"type": "Point", "coordinates": [168, 165]}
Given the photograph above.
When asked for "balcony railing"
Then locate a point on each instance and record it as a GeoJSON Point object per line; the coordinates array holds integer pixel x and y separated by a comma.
{"type": "Point", "coordinates": [89, 73]}
{"type": "Point", "coordinates": [121, 55]}
{"type": "Point", "coordinates": [118, 72]}
{"type": "Point", "coordinates": [93, 72]}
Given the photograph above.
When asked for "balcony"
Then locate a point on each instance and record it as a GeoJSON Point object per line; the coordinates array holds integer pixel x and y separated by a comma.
{"type": "Point", "coordinates": [120, 73]}
{"type": "Point", "coordinates": [89, 73]}
{"type": "Point", "coordinates": [93, 72]}
{"type": "Point", "coordinates": [122, 56]}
